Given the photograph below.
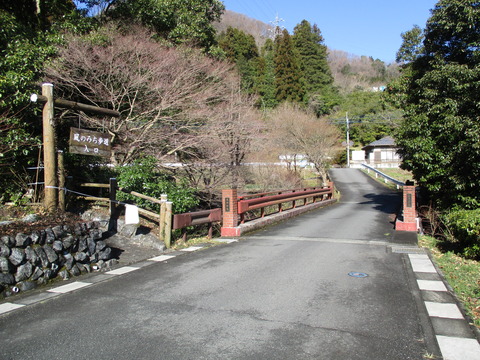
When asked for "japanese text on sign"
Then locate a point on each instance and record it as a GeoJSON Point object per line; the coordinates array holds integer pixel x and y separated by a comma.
{"type": "Point", "coordinates": [89, 142]}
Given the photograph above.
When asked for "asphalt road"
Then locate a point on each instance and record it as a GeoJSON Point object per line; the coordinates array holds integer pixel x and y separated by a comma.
{"type": "Point", "coordinates": [285, 292]}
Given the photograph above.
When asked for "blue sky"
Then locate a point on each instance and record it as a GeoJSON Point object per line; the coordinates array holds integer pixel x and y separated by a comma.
{"type": "Point", "coordinates": [359, 27]}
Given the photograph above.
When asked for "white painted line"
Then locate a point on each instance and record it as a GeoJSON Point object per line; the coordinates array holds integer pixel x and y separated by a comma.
{"type": "Point", "coordinates": [192, 248]}
{"type": "Point", "coordinates": [431, 285]}
{"type": "Point", "coordinates": [454, 348]}
{"type": "Point", "coordinates": [122, 270]}
{"type": "Point", "coordinates": [421, 263]}
{"type": "Point", "coordinates": [69, 287]}
{"type": "Point", "coordinates": [6, 307]}
{"type": "Point", "coordinates": [442, 310]}
{"type": "Point", "coordinates": [162, 258]}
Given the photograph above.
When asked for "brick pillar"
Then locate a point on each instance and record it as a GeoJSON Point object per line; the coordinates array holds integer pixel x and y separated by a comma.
{"type": "Point", "coordinates": [230, 213]}
{"type": "Point", "coordinates": [409, 222]}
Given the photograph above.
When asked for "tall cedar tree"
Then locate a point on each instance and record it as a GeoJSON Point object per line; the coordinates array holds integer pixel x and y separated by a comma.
{"type": "Point", "coordinates": [439, 92]}
{"type": "Point", "coordinates": [265, 81]}
{"type": "Point", "coordinates": [241, 49]}
{"type": "Point", "coordinates": [288, 74]}
{"type": "Point", "coordinates": [308, 42]}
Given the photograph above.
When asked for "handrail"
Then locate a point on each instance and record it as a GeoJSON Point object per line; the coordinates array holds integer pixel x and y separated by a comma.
{"type": "Point", "coordinates": [385, 176]}
{"type": "Point", "coordinates": [263, 200]}
{"type": "Point", "coordinates": [181, 221]}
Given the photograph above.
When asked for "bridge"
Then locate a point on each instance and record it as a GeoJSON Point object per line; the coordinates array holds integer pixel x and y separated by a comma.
{"type": "Point", "coordinates": [337, 282]}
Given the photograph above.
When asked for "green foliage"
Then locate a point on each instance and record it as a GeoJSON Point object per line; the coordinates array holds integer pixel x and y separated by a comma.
{"type": "Point", "coordinates": [143, 177]}
{"type": "Point", "coordinates": [439, 92]}
{"type": "Point", "coordinates": [464, 226]}
{"type": "Point", "coordinates": [412, 45]}
{"type": "Point", "coordinates": [288, 75]}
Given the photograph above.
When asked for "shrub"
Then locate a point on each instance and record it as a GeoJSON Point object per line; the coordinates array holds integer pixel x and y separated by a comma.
{"type": "Point", "coordinates": [142, 176]}
{"type": "Point", "coordinates": [464, 226]}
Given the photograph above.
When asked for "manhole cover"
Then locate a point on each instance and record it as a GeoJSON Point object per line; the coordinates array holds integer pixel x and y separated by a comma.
{"type": "Point", "coordinates": [357, 274]}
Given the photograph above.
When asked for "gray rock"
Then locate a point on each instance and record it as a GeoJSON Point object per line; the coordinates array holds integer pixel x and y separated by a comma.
{"type": "Point", "coordinates": [32, 256]}
{"type": "Point", "coordinates": [105, 254]}
{"type": "Point", "coordinates": [26, 285]}
{"type": "Point", "coordinates": [49, 274]}
{"type": "Point", "coordinates": [75, 270]}
{"type": "Point", "coordinates": [8, 240]}
{"type": "Point", "coordinates": [69, 261]}
{"type": "Point", "coordinates": [5, 250]}
{"type": "Point", "coordinates": [81, 257]}
{"type": "Point", "coordinates": [96, 234]}
{"type": "Point", "coordinates": [37, 274]}
{"type": "Point", "coordinates": [91, 246]}
{"type": "Point", "coordinates": [111, 263]}
{"type": "Point", "coordinates": [30, 218]}
{"type": "Point", "coordinates": [128, 230]}
{"type": "Point", "coordinates": [68, 242]}
{"type": "Point", "coordinates": [36, 236]}
{"type": "Point", "coordinates": [49, 236]}
{"type": "Point", "coordinates": [23, 240]}
{"type": "Point", "coordinates": [57, 246]}
{"type": "Point", "coordinates": [6, 266]}
{"type": "Point", "coordinates": [51, 254]}
{"type": "Point", "coordinates": [100, 245]}
{"type": "Point", "coordinates": [7, 279]}
{"type": "Point", "coordinates": [17, 256]}
{"type": "Point", "coordinates": [43, 257]}
{"type": "Point", "coordinates": [82, 244]}
{"type": "Point", "coordinates": [64, 274]}
{"type": "Point", "coordinates": [58, 231]}
{"type": "Point", "coordinates": [24, 272]}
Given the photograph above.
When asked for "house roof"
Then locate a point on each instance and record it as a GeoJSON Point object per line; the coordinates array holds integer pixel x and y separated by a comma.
{"type": "Point", "coordinates": [386, 141]}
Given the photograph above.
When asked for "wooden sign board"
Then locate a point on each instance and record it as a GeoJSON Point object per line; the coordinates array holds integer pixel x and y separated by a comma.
{"type": "Point", "coordinates": [87, 142]}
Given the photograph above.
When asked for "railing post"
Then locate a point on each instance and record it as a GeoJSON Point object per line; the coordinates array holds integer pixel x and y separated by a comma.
{"type": "Point", "coordinates": [112, 207]}
{"type": "Point", "coordinates": [161, 223]}
{"type": "Point", "coordinates": [230, 213]}
{"type": "Point", "coordinates": [61, 181]}
{"type": "Point", "coordinates": [168, 223]}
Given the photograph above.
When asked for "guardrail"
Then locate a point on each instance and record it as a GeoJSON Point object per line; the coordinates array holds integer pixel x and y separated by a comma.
{"type": "Point", "coordinates": [385, 176]}
{"type": "Point", "coordinates": [181, 221]}
{"type": "Point", "coordinates": [261, 201]}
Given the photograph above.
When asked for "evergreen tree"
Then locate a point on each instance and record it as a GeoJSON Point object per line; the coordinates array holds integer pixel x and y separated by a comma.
{"type": "Point", "coordinates": [288, 74]}
{"type": "Point", "coordinates": [265, 81]}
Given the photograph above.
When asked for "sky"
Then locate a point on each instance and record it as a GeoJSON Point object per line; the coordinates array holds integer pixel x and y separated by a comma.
{"type": "Point", "coordinates": [359, 27]}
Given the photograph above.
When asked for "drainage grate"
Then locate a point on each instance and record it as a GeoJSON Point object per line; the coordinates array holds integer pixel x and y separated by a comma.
{"type": "Point", "coordinates": [407, 250]}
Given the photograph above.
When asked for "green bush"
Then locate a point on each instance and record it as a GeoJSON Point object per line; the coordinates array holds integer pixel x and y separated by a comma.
{"type": "Point", "coordinates": [143, 177]}
{"type": "Point", "coordinates": [464, 226]}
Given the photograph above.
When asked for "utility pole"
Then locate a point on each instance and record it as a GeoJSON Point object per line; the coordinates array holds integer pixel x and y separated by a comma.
{"type": "Point", "coordinates": [348, 139]}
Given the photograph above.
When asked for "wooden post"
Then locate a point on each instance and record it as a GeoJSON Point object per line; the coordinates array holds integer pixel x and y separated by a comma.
{"type": "Point", "coordinates": [161, 223]}
{"type": "Point", "coordinates": [112, 206]}
{"type": "Point", "coordinates": [49, 156]}
{"type": "Point", "coordinates": [61, 181]}
{"type": "Point", "coordinates": [168, 223]}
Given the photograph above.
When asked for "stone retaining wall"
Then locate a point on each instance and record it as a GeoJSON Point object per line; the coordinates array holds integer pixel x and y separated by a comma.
{"type": "Point", "coordinates": [27, 260]}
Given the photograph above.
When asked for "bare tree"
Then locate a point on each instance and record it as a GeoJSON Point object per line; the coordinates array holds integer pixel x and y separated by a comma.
{"type": "Point", "coordinates": [164, 94]}
{"type": "Point", "coordinates": [299, 132]}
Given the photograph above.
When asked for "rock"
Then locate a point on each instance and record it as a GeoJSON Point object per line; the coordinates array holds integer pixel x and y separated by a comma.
{"type": "Point", "coordinates": [5, 250]}
{"type": "Point", "coordinates": [49, 274]}
{"type": "Point", "coordinates": [17, 256]}
{"type": "Point", "coordinates": [49, 236]}
{"type": "Point", "coordinates": [95, 234]}
{"type": "Point", "coordinates": [43, 237]}
{"type": "Point", "coordinates": [91, 246]}
{"type": "Point", "coordinates": [77, 229]}
{"type": "Point", "coordinates": [100, 245]}
{"type": "Point", "coordinates": [57, 246]}
{"type": "Point", "coordinates": [36, 237]}
{"type": "Point", "coordinates": [69, 261]}
{"type": "Point", "coordinates": [75, 270]}
{"type": "Point", "coordinates": [30, 218]}
{"type": "Point", "coordinates": [111, 263]}
{"type": "Point", "coordinates": [51, 254]}
{"type": "Point", "coordinates": [32, 256]}
{"type": "Point", "coordinates": [64, 274]}
{"type": "Point", "coordinates": [6, 266]}
{"type": "Point", "coordinates": [58, 231]}
{"type": "Point", "coordinates": [24, 272]}
{"type": "Point", "coordinates": [68, 242]}
{"type": "Point", "coordinates": [43, 257]}
{"type": "Point", "coordinates": [23, 240]}
{"type": "Point", "coordinates": [7, 279]}
{"type": "Point", "coordinates": [81, 257]}
{"type": "Point", "coordinates": [105, 254]}
{"type": "Point", "coordinates": [8, 240]}
{"type": "Point", "coordinates": [26, 285]}
{"type": "Point", "coordinates": [37, 274]}
{"type": "Point", "coordinates": [128, 230]}
{"type": "Point", "coordinates": [82, 244]}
